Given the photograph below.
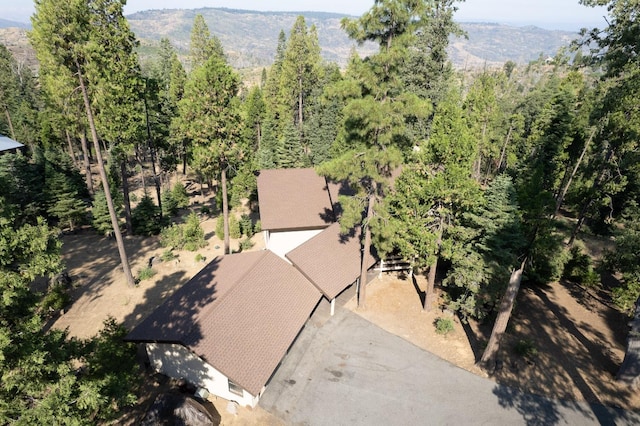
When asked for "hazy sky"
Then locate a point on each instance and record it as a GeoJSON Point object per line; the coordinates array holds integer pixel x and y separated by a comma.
{"type": "Point", "coordinates": [553, 14]}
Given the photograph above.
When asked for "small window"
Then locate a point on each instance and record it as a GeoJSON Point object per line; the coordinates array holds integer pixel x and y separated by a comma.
{"type": "Point", "coordinates": [234, 388]}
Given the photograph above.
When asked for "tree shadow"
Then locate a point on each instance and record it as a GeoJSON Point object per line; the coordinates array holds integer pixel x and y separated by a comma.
{"type": "Point", "coordinates": [540, 411]}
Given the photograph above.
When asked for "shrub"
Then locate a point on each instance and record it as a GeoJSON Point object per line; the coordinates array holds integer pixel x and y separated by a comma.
{"type": "Point", "coordinates": [579, 268]}
{"type": "Point", "coordinates": [444, 326]}
{"type": "Point", "coordinates": [55, 299]}
{"type": "Point", "coordinates": [146, 273]}
{"type": "Point", "coordinates": [526, 348]}
{"type": "Point", "coordinates": [257, 227]}
{"type": "Point", "coordinates": [193, 234]}
{"type": "Point", "coordinates": [234, 227]}
{"type": "Point", "coordinates": [168, 255]}
{"type": "Point", "coordinates": [188, 236]}
{"type": "Point", "coordinates": [180, 195]}
{"type": "Point", "coordinates": [220, 228]}
{"type": "Point", "coordinates": [200, 258]}
{"type": "Point", "coordinates": [171, 236]}
{"type": "Point", "coordinates": [246, 244]}
{"type": "Point", "coordinates": [169, 204]}
{"type": "Point", "coordinates": [205, 210]}
{"type": "Point", "coordinates": [145, 217]}
{"type": "Point", "coordinates": [246, 225]}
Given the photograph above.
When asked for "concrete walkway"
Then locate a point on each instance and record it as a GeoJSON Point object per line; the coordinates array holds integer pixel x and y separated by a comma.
{"type": "Point", "coordinates": [345, 370]}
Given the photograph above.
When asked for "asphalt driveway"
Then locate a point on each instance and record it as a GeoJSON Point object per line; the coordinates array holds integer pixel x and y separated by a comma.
{"type": "Point", "coordinates": [347, 371]}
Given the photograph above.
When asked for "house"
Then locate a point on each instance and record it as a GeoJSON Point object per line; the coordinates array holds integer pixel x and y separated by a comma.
{"type": "Point", "coordinates": [295, 206]}
{"type": "Point", "coordinates": [228, 328]}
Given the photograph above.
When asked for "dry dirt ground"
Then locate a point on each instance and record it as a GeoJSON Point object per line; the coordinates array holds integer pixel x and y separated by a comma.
{"type": "Point", "coordinates": [578, 336]}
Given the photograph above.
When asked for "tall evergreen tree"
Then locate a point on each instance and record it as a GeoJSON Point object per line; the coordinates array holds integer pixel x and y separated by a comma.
{"type": "Point", "coordinates": [210, 117]}
{"type": "Point", "coordinates": [66, 38]}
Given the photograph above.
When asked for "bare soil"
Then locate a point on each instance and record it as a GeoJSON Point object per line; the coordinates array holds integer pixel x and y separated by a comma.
{"type": "Point", "coordinates": [577, 335]}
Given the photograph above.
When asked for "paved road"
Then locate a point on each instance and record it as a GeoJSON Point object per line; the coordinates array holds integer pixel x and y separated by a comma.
{"type": "Point", "coordinates": [347, 371]}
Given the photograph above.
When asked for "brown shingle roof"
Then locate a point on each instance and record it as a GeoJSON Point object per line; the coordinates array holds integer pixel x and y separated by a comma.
{"type": "Point", "coordinates": [240, 313]}
{"type": "Point", "coordinates": [293, 199]}
{"type": "Point", "coordinates": [330, 260]}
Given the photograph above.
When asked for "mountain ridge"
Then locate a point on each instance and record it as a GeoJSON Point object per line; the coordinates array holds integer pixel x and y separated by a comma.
{"type": "Point", "coordinates": [250, 37]}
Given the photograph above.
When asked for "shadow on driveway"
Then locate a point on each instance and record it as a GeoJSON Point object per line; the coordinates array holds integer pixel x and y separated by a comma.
{"type": "Point", "coordinates": [349, 371]}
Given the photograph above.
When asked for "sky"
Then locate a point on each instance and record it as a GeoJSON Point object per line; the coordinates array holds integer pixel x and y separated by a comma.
{"type": "Point", "coordinates": [550, 14]}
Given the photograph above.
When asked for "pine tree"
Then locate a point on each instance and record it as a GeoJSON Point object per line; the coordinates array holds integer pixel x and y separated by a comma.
{"type": "Point", "coordinates": [203, 45]}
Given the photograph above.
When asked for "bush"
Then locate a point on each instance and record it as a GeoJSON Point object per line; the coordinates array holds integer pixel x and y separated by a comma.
{"type": "Point", "coordinates": [180, 195]}
{"type": "Point", "coordinates": [146, 273]}
{"type": "Point", "coordinates": [205, 210]}
{"type": "Point", "coordinates": [444, 326]}
{"type": "Point", "coordinates": [234, 227]}
{"type": "Point", "coordinates": [257, 227]}
{"type": "Point", "coordinates": [200, 258]}
{"type": "Point", "coordinates": [168, 255]}
{"type": "Point", "coordinates": [246, 244]}
{"type": "Point", "coordinates": [145, 217]}
{"type": "Point", "coordinates": [169, 204]}
{"type": "Point", "coordinates": [579, 268]}
{"type": "Point", "coordinates": [188, 236]}
{"type": "Point", "coordinates": [55, 299]}
{"type": "Point", "coordinates": [526, 348]}
{"type": "Point", "coordinates": [246, 225]}
{"type": "Point", "coordinates": [193, 234]}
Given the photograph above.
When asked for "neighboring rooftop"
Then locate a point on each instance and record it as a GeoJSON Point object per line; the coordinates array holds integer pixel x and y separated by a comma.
{"type": "Point", "coordinates": [7, 144]}
{"type": "Point", "coordinates": [330, 260]}
{"type": "Point", "coordinates": [294, 199]}
{"type": "Point", "coordinates": [240, 314]}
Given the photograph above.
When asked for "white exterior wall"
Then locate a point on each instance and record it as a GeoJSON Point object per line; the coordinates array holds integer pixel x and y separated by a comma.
{"type": "Point", "coordinates": [283, 242]}
{"type": "Point", "coordinates": [178, 362]}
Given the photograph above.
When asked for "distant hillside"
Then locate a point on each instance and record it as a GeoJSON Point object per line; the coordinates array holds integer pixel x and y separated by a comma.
{"type": "Point", "coordinates": [250, 38]}
{"type": "Point", "coordinates": [12, 24]}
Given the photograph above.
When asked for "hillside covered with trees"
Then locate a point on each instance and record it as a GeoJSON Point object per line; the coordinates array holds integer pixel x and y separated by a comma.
{"type": "Point", "coordinates": [482, 180]}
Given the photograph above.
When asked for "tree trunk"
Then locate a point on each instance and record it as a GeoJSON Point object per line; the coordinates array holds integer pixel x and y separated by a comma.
{"type": "Point", "coordinates": [589, 201]}
{"type": "Point", "coordinates": [629, 372]}
{"type": "Point", "coordinates": [13, 133]}
{"type": "Point", "coordinates": [504, 314]}
{"type": "Point", "coordinates": [87, 163]}
{"type": "Point", "coordinates": [105, 183]}
{"type": "Point", "coordinates": [503, 151]}
{"type": "Point", "coordinates": [429, 293]}
{"type": "Point", "coordinates": [366, 248]}
{"type": "Point", "coordinates": [72, 154]}
{"type": "Point", "coordinates": [125, 194]}
{"type": "Point", "coordinates": [225, 211]}
{"type": "Point", "coordinates": [563, 192]}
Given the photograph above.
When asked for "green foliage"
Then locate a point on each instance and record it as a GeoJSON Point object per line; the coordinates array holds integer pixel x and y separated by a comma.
{"type": "Point", "coordinates": [101, 220]}
{"type": "Point", "coordinates": [175, 199]}
{"type": "Point", "coordinates": [56, 298]}
{"type": "Point", "coordinates": [234, 227]}
{"type": "Point", "coordinates": [246, 225]}
{"type": "Point", "coordinates": [246, 244]}
{"type": "Point", "coordinates": [220, 227]}
{"type": "Point", "coordinates": [526, 348]}
{"type": "Point", "coordinates": [548, 258]}
{"type": "Point", "coordinates": [188, 236]}
{"type": "Point", "coordinates": [624, 259]}
{"type": "Point", "coordinates": [257, 228]}
{"type": "Point", "coordinates": [168, 255]}
{"type": "Point", "coordinates": [193, 233]}
{"type": "Point", "coordinates": [146, 273]}
{"type": "Point", "coordinates": [200, 258]}
{"type": "Point", "coordinates": [443, 325]}
{"type": "Point", "coordinates": [579, 267]}
{"type": "Point", "coordinates": [145, 217]}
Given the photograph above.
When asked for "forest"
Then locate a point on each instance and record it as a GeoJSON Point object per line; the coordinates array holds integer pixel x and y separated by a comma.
{"type": "Point", "coordinates": [482, 179]}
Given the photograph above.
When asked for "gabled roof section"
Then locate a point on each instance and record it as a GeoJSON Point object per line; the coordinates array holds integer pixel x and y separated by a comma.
{"type": "Point", "coordinates": [330, 260]}
{"type": "Point", "coordinates": [7, 144]}
{"type": "Point", "coordinates": [294, 199]}
{"type": "Point", "coordinates": [240, 314]}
